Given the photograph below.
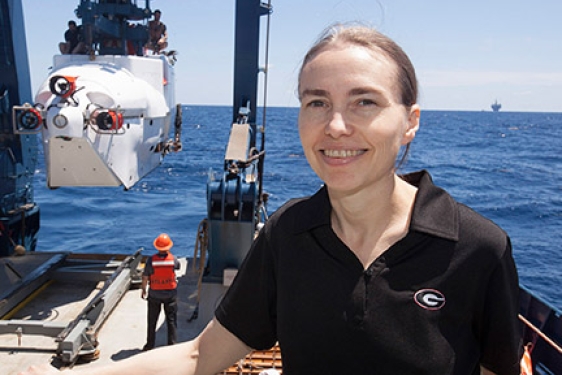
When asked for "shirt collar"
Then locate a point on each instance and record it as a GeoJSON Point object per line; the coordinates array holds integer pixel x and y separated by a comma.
{"type": "Point", "coordinates": [434, 212]}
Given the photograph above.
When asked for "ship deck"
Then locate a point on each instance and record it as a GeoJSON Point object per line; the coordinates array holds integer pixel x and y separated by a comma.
{"type": "Point", "coordinates": [124, 332]}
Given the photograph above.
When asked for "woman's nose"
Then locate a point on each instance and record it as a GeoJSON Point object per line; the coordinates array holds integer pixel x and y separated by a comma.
{"type": "Point", "coordinates": [337, 125]}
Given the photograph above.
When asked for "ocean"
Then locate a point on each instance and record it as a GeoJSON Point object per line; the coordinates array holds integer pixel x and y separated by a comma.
{"type": "Point", "coordinates": [505, 165]}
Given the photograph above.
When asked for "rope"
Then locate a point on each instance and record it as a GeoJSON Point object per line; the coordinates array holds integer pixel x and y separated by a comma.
{"type": "Point", "coordinates": [266, 75]}
{"type": "Point", "coordinates": [266, 70]}
{"type": "Point", "coordinates": [200, 250]}
{"type": "Point", "coordinates": [177, 146]}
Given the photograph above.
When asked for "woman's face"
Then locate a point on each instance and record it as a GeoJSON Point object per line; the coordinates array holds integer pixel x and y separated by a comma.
{"type": "Point", "coordinates": [351, 121]}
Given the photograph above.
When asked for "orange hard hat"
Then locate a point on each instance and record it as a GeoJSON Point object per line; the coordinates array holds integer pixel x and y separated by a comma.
{"type": "Point", "coordinates": [163, 242]}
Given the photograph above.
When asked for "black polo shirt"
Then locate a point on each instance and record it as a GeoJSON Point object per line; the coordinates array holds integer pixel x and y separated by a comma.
{"type": "Point", "coordinates": [440, 301]}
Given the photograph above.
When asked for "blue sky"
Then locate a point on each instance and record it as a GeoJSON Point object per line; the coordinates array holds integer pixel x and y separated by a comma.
{"type": "Point", "coordinates": [467, 54]}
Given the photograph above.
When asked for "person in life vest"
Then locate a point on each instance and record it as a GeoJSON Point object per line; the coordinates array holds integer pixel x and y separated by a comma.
{"type": "Point", "coordinates": [159, 282]}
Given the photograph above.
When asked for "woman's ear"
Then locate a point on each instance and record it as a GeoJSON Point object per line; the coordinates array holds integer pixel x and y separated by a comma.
{"type": "Point", "coordinates": [413, 124]}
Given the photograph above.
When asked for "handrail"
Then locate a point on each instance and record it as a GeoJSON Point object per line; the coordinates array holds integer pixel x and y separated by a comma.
{"type": "Point", "coordinates": [540, 333]}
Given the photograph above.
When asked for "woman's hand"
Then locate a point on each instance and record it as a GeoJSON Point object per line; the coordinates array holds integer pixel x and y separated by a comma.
{"type": "Point", "coordinates": [45, 369]}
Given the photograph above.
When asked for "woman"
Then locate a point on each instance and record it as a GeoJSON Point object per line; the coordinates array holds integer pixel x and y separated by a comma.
{"type": "Point", "coordinates": [375, 273]}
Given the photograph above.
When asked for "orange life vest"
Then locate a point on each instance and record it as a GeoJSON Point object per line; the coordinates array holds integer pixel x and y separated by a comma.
{"type": "Point", "coordinates": [164, 276]}
{"type": "Point", "coordinates": [526, 363]}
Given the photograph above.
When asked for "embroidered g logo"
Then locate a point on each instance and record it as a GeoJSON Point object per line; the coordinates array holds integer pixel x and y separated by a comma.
{"type": "Point", "coordinates": [429, 299]}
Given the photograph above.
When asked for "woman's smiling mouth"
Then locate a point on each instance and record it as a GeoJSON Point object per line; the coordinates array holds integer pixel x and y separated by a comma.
{"type": "Point", "coordinates": [341, 154]}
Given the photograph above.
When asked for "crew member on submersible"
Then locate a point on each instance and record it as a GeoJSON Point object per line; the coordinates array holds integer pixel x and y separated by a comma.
{"type": "Point", "coordinates": [159, 277]}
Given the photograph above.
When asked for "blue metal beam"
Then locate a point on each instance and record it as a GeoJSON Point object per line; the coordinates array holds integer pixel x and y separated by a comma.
{"type": "Point", "coordinates": [19, 216]}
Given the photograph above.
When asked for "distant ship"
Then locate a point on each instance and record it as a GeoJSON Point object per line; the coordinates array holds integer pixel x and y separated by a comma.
{"type": "Point", "coordinates": [496, 106]}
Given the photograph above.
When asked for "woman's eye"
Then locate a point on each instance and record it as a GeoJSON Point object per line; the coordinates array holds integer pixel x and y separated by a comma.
{"type": "Point", "coordinates": [316, 103]}
{"type": "Point", "coordinates": [366, 102]}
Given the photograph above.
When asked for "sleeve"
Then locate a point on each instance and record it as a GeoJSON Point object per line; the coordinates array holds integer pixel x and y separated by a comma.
{"type": "Point", "coordinates": [177, 264]}
{"type": "Point", "coordinates": [248, 309]}
{"type": "Point", "coordinates": [501, 338]}
{"type": "Point", "coordinates": [148, 267]}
